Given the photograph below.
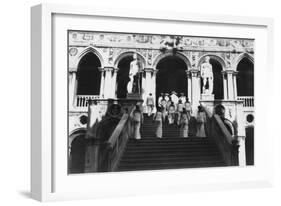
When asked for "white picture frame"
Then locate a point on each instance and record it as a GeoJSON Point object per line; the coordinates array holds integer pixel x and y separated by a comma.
{"type": "Point", "coordinates": [48, 179]}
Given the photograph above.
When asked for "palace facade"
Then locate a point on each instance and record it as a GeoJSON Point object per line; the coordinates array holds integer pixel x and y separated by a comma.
{"type": "Point", "coordinates": [98, 66]}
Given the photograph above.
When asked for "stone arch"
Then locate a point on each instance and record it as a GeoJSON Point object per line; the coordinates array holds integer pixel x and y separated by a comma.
{"type": "Point", "coordinates": [214, 57]}
{"type": "Point", "coordinates": [177, 54]}
{"type": "Point", "coordinates": [244, 66]}
{"type": "Point", "coordinates": [127, 54]}
{"type": "Point", "coordinates": [122, 62]}
{"type": "Point", "coordinates": [76, 151]}
{"type": "Point", "coordinates": [75, 133]}
{"type": "Point", "coordinates": [218, 65]}
{"type": "Point", "coordinates": [88, 75]}
{"type": "Point", "coordinates": [242, 56]}
{"type": "Point", "coordinates": [86, 51]}
{"type": "Point", "coordinates": [171, 73]}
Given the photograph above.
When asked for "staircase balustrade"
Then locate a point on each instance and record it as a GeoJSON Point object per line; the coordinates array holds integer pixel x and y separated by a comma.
{"type": "Point", "coordinates": [116, 143]}
{"type": "Point", "coordinates": [248, 101]}
{"type": "Point", "coordinates": [227, 143]}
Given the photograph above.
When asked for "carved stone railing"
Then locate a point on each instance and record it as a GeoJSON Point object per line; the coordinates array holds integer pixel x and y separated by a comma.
{"type": "Point", "coordinates": [227, 143]}
{"type": "Point", "coordinates": [116, 144]}
{"type": "Point", "coordinates": [82, 100]}
{"type": "Point", "coordinates": [110, 135]}
{"type": "Point", "coordinates": [248, 101]}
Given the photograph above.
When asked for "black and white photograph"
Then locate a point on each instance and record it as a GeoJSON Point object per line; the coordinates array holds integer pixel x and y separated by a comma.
{"type": "Point", "coordinates": [139, 101]}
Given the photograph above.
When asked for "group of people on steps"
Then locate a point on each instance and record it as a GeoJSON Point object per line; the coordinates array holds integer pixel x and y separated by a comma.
{"type": "Point", "coordinates": [171, 110]}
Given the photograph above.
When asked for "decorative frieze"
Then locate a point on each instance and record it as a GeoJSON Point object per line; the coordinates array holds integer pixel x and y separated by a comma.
{"type": "Point", "coordinates": [150, 41]}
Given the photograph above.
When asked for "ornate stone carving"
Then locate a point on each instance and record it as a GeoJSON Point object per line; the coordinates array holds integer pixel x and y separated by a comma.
{"type": "Point", "coordinates": [228, 59]}
{"type": "Point", "coordinates": [149, 57]}
{"type": "Point", "coordinates": [88, 36]}
{"type": "Point", "coordinates": [110, 55]}
{"type": "Point", "coordinates": [73, 51]}
{"type": "Point", "coordinates": [194, 59]}
{"type": "Point", "coordinates": [148, 41]}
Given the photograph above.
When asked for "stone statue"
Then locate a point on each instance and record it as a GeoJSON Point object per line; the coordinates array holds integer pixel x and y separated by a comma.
{"type": "Point", "coordinates": [133, 85]}
{"type": "Point", "coordinates": [207, 76]}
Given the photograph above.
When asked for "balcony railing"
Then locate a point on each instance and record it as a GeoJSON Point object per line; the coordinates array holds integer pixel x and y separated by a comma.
{"type": "Point", "coordinates": [248, 101]}
{"type": "Point", "coordinates": [82, 100]}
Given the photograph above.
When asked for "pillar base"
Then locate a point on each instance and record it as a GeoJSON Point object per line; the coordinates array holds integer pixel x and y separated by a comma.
{"type": "Point", "coordinates": [134, 96]}
{"type": "Point", "coordinates": [207, 97]}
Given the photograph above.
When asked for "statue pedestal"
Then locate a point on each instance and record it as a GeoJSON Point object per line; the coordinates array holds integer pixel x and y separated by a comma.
{"type": "Point", "coordinates": [208, 97]}
{"type": "Point", "coordinates": [134, 96]}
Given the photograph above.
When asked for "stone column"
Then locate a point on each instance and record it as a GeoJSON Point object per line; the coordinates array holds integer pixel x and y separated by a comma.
{"type": "Point", "coordinates": [241, 133]}
{"type": "Point", "coordinates": [113, 83]}
{"type": "Point", "coordinates": [189, 92]}
{"type": "Point", "coordinates": [102, 82]}
{"type": "Point", "coordinates": [195, 89]}
{"type": "Point", "coordinates": [107, 82]}
{"type": "Point", "coordinates": [72, 88]}
{"type": "Point", "coordinates": [225, 92]}
{"type": "Point", "coordinates": [235, 84]}
{"type": "Point", "coordinates": [230, 84]}
{"type": "Point", "coordinates": [153, 88]}
{"type": "Point", "coordinates": [143, 86]}
{"type": "Point", "coordinates": [147, 84]}
{"type": "Point", "coordinates": [92, 156]}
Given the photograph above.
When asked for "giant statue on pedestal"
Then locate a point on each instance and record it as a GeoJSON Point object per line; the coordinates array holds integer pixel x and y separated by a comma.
{"type": "Point", "coordinates": [207, 76]}
{"type": "Point", "coordinates": [133, 85]}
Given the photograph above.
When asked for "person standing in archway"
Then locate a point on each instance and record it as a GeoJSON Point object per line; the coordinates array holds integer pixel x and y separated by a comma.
{"type": "Point", "coordinates": [174, 98]}
{"type": "Point", "coordinates": [171, 113]}
{"type": "Point", "coordinates": [160, 98]}
{"type": "Point", "coordinates": [149, 104]}
{"type": "Point", "coordinates": [163, 107]}
{"type": "Point", "coordinates": [180, 108]}
{"type": "Point", "coordinates": [184, 121]}
{"type": "Point", "coordinates": [182, 98]}
{"type": "Point", "coordinates": [158, 119]}
{"type": "Point", "coordinates": [188, 108]}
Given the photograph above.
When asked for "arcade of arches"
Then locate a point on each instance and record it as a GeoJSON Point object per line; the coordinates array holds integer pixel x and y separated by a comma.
{"type": "Point", "coordinates": [99, 64]}
{"type": "Point", "coordinates": [171, 73]}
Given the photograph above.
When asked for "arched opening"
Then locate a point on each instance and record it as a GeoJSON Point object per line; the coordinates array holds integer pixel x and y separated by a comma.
{"type": "Point", "coordinates": [249, 144]}
{"type": "Point", "coordinates": [245, 78]}
{"type": "Point", "coordinates": [123, 74]}
{"type": "Point", "coordinates": [88, 75]}
{"type": "Point", "coordinates": [171, 76]}
{"type": "Point", "coordinates": [218, 79]}
{"type": "Point", "coordinates": [77, 152]}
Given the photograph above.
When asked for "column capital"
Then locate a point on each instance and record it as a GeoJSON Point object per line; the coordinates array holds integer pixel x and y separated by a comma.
{"type": "Point", "coordinates": [194, 72]}
{"type": "Point", "coordinates": [148, 69]}
{"type": "Point", "coordinates": [72, 70]}
{"type": "Point", "coordinates": [229, 70]}
{"type": "Point", "coordinates": [107, 68]}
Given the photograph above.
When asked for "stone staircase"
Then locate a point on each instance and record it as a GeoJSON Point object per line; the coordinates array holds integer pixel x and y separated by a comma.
{"type": "Point", "coordinates": [169, 152]}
